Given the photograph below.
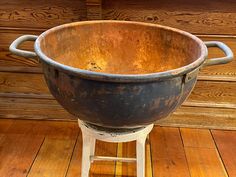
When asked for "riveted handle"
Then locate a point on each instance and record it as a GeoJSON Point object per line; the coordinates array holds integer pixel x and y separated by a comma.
{"type": "Point", "coordinates": [216, 61]}
{"type": "Point", "coordinates": [23, 53]}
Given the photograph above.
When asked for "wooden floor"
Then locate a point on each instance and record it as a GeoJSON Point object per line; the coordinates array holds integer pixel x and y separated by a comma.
{"type": "Point", "coordinates": [53, 149]}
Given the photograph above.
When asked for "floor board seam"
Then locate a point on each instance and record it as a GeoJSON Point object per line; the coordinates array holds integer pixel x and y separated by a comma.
{"type": "Point", "coordinates": [194, 147]}
{"type": "Point", "coordinates": [119, 165]}
{"type": "Point", "coordinates": [182, 141]}
{"type": "Point", "coordinates": [150, 148]}
{"type": "Point", "coordinates": [35, 157]}
{"type": "Point", "coordinates": [218, 152]}
{"type": "Point", "coordinates": [66, 173]}
{"type": "Point", "coordinates": [115, 161]}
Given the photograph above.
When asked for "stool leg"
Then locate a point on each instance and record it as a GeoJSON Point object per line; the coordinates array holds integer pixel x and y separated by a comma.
{"type": "Point", "coordinates": [85, 156]}
{"type": "Point", "coordinates": [92, 147]}
{"type": "Point", "coordinates": [140, 151]}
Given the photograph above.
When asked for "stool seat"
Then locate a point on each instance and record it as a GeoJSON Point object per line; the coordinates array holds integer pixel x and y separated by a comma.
{"type": "Point", "coordinates": [90, 135]}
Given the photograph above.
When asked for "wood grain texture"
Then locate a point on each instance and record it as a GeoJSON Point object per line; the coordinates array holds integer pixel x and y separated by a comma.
{"type": "Point", "coordinates": [203, 17]}
{"type": "Point", "coordinates": [40, 14]}
{"type": "Point", "coordinates": [18, 152]}
{"type": "Point", "coordinates": [51, 129]}
{"type": "Point", "coordinates": [94, 9]}
{"type": "Point", "coordinates": [226, 144]}
{"type": "Point", "coordinates": [197, 138]}
{"type": "Point", "coordinates": [53, 158]}
{"type": "Point", "coordinates": [201, 153]}
{"type": "Point", "coordinates": [75, 163]}
{"type": "Point", "coordinates": [32, 109]}
{"type": "Point", "coordinates": [168, 157]}
{"type": "Point", "coordinates": [204, 162]}
{"type": "Point", "coordinates": [119, 165]}
{"type": "Point", "coordinates": [20, 69]}
{"type": "Point", "coordinates": [23, 83]}
{"type": "Point", "coordinates": [201, 117]}
{"type": "Point", "coordinates": [5, 124]}
{"type": "Point", "coordinates": [224, 72]}
{"type": "Point", "coordinates": [9, 35]}
{"type": "Point", "coordinates": [213, 94]}
{"type": "Point", "coordinates": [7, 59]}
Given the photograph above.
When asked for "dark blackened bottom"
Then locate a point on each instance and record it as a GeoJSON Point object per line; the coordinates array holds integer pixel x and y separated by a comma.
{"type": "Point", "coordinates": [109, 129]}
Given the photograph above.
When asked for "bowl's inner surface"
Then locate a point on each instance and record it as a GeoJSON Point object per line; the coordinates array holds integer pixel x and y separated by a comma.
{"type": "Point", "coordinates": [120, 48]}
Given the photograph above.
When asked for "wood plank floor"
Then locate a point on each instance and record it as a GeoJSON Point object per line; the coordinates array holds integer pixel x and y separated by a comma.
{"type": "Point", "coordinates": [53, 149]}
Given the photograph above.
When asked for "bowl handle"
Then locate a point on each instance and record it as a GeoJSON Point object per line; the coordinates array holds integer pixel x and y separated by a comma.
{"type": "Point", "coordinates": [216, 61]}
{"type": "Point", "coordinates": [23, 53]}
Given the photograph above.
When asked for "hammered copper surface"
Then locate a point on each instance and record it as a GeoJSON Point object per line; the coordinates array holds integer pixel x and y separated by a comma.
{"type": "Point", "coordinates": [120, 48]}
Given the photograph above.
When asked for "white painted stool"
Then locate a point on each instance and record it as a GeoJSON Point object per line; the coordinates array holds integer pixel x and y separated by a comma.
{"type": "Point", "coordinates": [90, 135]}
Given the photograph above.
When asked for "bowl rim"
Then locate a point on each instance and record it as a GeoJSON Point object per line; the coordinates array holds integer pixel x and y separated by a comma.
{"type": "Point", "coordinates": [108, 77]}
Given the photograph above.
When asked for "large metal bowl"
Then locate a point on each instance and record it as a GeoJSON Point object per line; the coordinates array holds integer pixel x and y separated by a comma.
{"type": "Point", "coordinates": [119, 74]}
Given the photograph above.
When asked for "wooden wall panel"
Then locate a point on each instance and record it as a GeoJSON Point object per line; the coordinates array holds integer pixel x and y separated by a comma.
{"type": "Point", "coordinates": [201, 117]}
{"type": "Point", "coordinates": [7, 59]}
{"type": "Point", "coordinates": [40, 14]}
{"type": "Point", "coordinates": [7, 36]}
{"type": "Point", "coordinates": [213, 94]}
{"type": "Point", "coordinates": [94, 9]}
{"type": "Point", "coordinates": [32, 108]}
{"type": "Point", "coordinates": [226, 72]}
{"type": "Point", "coordinates": [204, 16]}
{"type": "Point", "coordinates": [23, 85]}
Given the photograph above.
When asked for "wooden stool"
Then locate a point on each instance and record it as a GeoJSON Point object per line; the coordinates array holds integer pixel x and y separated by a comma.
{"type": "Point", "coordinates": [90, 135]}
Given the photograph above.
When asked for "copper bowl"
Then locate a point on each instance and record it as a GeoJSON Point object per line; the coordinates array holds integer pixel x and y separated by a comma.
{"type": "Point", "coordinates": [120, 74]}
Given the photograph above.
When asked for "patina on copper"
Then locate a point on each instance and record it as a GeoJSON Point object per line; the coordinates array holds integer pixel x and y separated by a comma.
{"type": "Point", "coordinates": [120, 48]}
{"type": "Point", "coordinates": [118, 74]}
